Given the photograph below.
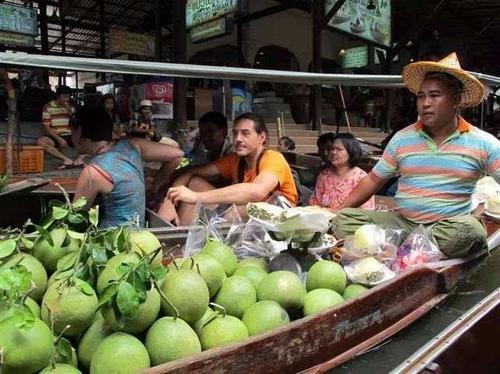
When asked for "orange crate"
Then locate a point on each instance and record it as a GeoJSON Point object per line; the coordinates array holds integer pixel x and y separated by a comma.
{"type": "Point", "coordinates": [29, 159]}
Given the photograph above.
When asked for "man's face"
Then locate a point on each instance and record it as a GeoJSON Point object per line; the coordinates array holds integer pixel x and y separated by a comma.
{"type": "Point", "coordinates": [211, 136]}
{"type": "Point", "coordinates": [436, 104]}
{"type": "Point", "coordinates": [109, 104]}
{"type": "Point", "coordinates": [324, 149]}
{"type": "Point", "coordinates": [63, 99]}
{"type": "Point", "coordinates": [245, 139]}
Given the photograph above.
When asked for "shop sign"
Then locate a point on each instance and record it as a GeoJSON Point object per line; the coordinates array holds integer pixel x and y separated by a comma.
{"type": "Point", "coordinates": [355, 18]}
{"type": "Point", "coordinates": [162, 91]}
{"type": "Point", "coordinates": [355, 57]}
{"type": "Point", "coordinates": [201, 11]}
{"type": "Point", "coordinates": [208, 30]}
{"type": "Point", "coordinates": [18, 40]}
{"type": "Point", "coordinates": [18, 19]}
{"type": "Point", "coordinates": [132, 43]}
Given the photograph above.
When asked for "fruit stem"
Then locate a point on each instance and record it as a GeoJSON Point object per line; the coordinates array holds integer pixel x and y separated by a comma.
{"type": "Point", "coordinates": [173, 261]}
{"type": "Point", "coordinates": [164, 297]}
{"type": "Point", "coordinates": [219, 307]}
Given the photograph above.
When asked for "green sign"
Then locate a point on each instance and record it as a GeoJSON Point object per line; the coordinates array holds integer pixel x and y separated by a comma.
{"type": "Point", "coordinates": [208, 30]}
{"type": "Point", "coordinates": [355, 57]}
{"type": "Point", "coordinates": [18, 19]}
{"type": "Point", "coordinates": [13, 39]}
{"type": "Point", "coordinates": [201, 11]}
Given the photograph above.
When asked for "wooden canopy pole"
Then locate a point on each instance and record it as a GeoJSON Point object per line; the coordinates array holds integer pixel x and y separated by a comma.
{"type": "Point", "coordinates": [11, 122]}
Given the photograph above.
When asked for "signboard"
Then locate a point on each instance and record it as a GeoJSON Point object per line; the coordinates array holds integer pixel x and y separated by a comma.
{"type": "Point", "coordinates": [355, 57]}
{"type": "Point", "coordinates": [131, 42]}
{"type": "Point", "coordinates": [355, 18]}
{"type": "Point", "coordinates": [13, 39]}
{"type": "Point", "coordinates": [201, 11]}
{"type": "Point", "coordinates": [208, 30]}
{"type": "Point", "coordinates": [17, 19]}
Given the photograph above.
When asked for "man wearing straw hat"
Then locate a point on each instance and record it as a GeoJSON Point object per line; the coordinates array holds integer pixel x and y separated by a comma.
{"type": "Point", "coordinates": [439, 159]}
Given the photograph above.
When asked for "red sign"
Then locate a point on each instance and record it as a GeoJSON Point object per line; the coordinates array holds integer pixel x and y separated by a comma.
{"type": "Point", "coordinates": [160, 91]}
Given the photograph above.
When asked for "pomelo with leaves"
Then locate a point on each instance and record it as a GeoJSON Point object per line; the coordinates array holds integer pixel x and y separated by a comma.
{"type": "Point", "coordinates": [37, 273]}
{"type": "Point", "coordinates": [48, 252]}
{"type": "Point", "coordinates": [115, 268]}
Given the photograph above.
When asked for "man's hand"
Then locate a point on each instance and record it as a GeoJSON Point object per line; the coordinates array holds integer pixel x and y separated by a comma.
{"type": "Point", "coordinates": [168, 213]}
{"type": "Point", "coordinates": [62, 143]}
{"type": "Point", "coordinates": [182, 193]}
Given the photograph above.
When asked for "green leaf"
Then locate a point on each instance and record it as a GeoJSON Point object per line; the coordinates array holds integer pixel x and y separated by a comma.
{"type": "Point", "coordinates": [62, 274]}
{"type": "Point", "coordinates": [135, 280]}
{"type": "Point", "coordinates": [123, 268]}
{"type": "Point", "coordinates": [67, 262]}
{"type": "Point", "coordinates": [28, 244]}
{"type": "Point", "coordinates": [75, 218]}
{"type": "Point", "coordinates": [159, 273]}
{"type": "Point", "coordinates": [127, 300]}
{"type": "Point", "coordinates": [54, 202]}
{"type": "Point", "coordinates": [94, 215]}
{"type": "Point", "coordinates": [59, 213]}
{"type": "Point", "coordinates": [7, 247]}
{"type": "Point", "coordinates": [108, 294]}
{"type": "Point", "coordinates": [86, 288]}
{"type": "Point", "coordinates": [99, 254]}
{"type": "Point", "coordinates": [24, 317]}
{"type": "Point", "coordinates": [75, 235]}
{"type": "Point", "coordinates": [80, 203]}
{"type": "Point", "coordinates": [64, 349]}
{"type": "Point", "coordinates": [44, 234]}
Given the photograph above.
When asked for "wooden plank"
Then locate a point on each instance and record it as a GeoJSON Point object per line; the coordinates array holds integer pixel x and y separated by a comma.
{"type": "Point", "coordinates": [24, 185]}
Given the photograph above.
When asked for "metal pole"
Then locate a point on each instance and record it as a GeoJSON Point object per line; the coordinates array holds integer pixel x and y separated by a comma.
{"type": "Point", "coordinates": [318, 9]}
{"type": "Point", "coordinates": [179, 56]}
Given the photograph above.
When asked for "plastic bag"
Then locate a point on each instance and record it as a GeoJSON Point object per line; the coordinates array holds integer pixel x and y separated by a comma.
{"type": "Point", "coordinates": [368, 271]}
{"type": "Point", "coordinates": [211, 223]}
{"type": "Point", "coordinates": [417, 249]}
{"type": "Point", "coordinates": [255, 241]}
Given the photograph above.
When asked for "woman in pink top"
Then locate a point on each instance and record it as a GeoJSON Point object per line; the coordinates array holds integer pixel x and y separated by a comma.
{"type": "Point", "coordinates": [341, 176]}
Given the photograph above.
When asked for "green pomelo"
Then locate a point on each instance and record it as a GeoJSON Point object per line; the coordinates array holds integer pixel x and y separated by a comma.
{"type": "Point", "coordinates": [236, 295]}
{"type": "Point", "coordinates": [110, 271]}
{"type": "Point", "coordinates": [34, 307]}
{"type": "Point", "coordinates": [146, 315]}
{"type": "Point", "coordinates": [170, 339]}
{"type": "Point", "coordinates": [61, 369]}
{"type": "Point", "coordinates": [38, 273]}
{"type": "Point", "coordinates": [326, 274]}
{"type": "Point", "coordinates": [7, 311]}
{"type": "Point", "coordinates": [222, 253]}
{"type": "Point", "coordinates": [90, 340]}
{"type": "Point", "coordinates": [353, 290]}
{"type": "Point", "coordinates": [25, 350]}
{"type": "Point", "coordinates": [50, 254]}
{"type": "Point", "coordinates": [253, 273]}
{"type": "Point", "coordinates": [254, 261]}
{"type": "Point", "coordinates": [120, 353]}
{"type": "Point", "coordinates": [69, 305]}
{"type": "Point", "coordinates": [207, 317]}
{"type": "Point", "coordinates": [72, 361]}
{"type": "Point", "coordinates": [284, 287]}
{"type": "Point", "coordinates": [145, 242]}
{"type": "Point", "coordinates": [264, 316]}
{"type": "Point", "coordinates": [223, 331]}
{"type": "Point", "coordinates": [210, 270]}
{"type": "Point", "coordinates": [187, 291]}
{"type": "Point", "coordinates": [320, 299]}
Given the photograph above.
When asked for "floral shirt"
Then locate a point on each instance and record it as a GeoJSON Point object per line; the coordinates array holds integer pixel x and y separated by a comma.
{"type": "Point", "coordinates": [331, 191]}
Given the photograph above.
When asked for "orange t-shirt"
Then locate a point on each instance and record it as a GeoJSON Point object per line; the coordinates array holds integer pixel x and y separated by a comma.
{"type": "Point", "coordinates": [272, 162]}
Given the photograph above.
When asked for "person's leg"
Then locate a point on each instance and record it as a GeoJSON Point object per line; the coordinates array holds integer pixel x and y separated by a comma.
{"type": "Point", "coordinates": [458, 236]}
{"type": "Point", "coordinates": [186, 211]}
{"type": "Point", "coordinates": [48, 146]}
{"type": "Point", "coordinates": [350, 219]}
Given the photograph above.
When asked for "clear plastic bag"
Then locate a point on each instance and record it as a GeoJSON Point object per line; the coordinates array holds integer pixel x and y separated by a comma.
{"type": "Point", "coordinates": [417, 249]}
{"type": "Point", "coordinates": [255, 241]}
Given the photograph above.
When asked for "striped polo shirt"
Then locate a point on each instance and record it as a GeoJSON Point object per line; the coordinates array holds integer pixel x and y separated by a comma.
{"type": "Point", "coordinates": [57, 117]}
{"type": "Point", "coordinates": [437, 181]}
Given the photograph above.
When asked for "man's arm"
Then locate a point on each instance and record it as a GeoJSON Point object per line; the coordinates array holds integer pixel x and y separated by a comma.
{"type": "Point", "coordinates": [368, 187]}
{"type": "Point", "coordinates": [240, 193]}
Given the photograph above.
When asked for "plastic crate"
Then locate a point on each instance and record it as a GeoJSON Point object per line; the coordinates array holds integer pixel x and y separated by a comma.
{"type": "Point", "coordinates": [28, 159]}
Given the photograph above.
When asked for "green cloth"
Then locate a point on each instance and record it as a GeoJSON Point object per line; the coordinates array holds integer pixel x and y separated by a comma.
{"type": "Point", "coordinates": [455, 236]}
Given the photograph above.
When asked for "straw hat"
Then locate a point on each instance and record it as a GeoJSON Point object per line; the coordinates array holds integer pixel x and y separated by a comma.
{"type": "Point", "coordinates": [145, 103]}
{"type": "Point", "coordinates": [473, 91]}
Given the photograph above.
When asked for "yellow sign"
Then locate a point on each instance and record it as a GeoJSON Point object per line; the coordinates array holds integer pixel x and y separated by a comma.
{"type": "Point", "coordinates": [131, 42]}
{"type": "Point", "coordinates": [13, 39]}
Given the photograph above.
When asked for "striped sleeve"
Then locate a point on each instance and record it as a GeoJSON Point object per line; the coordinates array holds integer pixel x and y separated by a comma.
{"type": "Point", "coordinates": [493, 160]}
{"type": "Point", "coordinates": [388, 165]}
{"type": "Point", "coordinates": [46, 116]}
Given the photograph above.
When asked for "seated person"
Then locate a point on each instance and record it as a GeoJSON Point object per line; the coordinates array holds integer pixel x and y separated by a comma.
{"type": "Point", "coordinates": [439, 159]}
{"type": "Point", "coordinates": [324, 143]}
{"type": "Point", "coordinates": [116, 170]}
{"type": "Point", "coordinates": [255, 172]}
{"type": "Point", "coordinates": [58, 133]}
{"type": "Point", "coordinates": [286, 144]}
{"type": "Point", "coordinates": [341, 175]}
{"type": "Point", "coordinates": [143, 125]}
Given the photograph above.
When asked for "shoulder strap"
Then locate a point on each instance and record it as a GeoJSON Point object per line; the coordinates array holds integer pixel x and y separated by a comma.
{"type": "Point", "coordinates": [242, 164]}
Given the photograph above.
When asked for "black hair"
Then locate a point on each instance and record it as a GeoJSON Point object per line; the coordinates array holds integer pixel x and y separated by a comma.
{"type": "Point", "coordinates": [325, 138]}
{"type": "Point", "coordinates": [454, 84]}
{"type": "Point", "coordinates": [63, 90]}
{"type": "Point", "coordinates": [106, 97]}
{"type": "Point", "coordinates": [96, 124]}
{"type": "Point", "coordinates": [259, 124]}
{"type": "Point", "coordinates": [352, 147]}
{"type": "Point", "coordinates": [289, 143]}
{"type": "Point", "coordinates": [217, 118]}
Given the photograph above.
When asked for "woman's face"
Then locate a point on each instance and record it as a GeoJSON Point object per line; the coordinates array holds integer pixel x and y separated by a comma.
{"type": "Point", "coordinates": [109, 104]}
{"type": "Point", "coordinates": [338, 155]}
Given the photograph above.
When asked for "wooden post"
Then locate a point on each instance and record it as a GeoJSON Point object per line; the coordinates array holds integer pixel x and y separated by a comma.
{"type": "Point", "coordinates": [318, 10]}
{"type": "Point", "coordinates": [179, 56]}
{"type": "Point", "coordinates": [11, 122]}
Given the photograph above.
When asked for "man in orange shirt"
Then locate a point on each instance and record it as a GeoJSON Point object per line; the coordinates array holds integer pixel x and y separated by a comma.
{"type": "Point", "coordinates": [256, 173]}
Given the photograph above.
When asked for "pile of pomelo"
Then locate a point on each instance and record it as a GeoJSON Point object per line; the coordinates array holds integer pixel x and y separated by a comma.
{"type": "Point", "coordinates": [58, 314]}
